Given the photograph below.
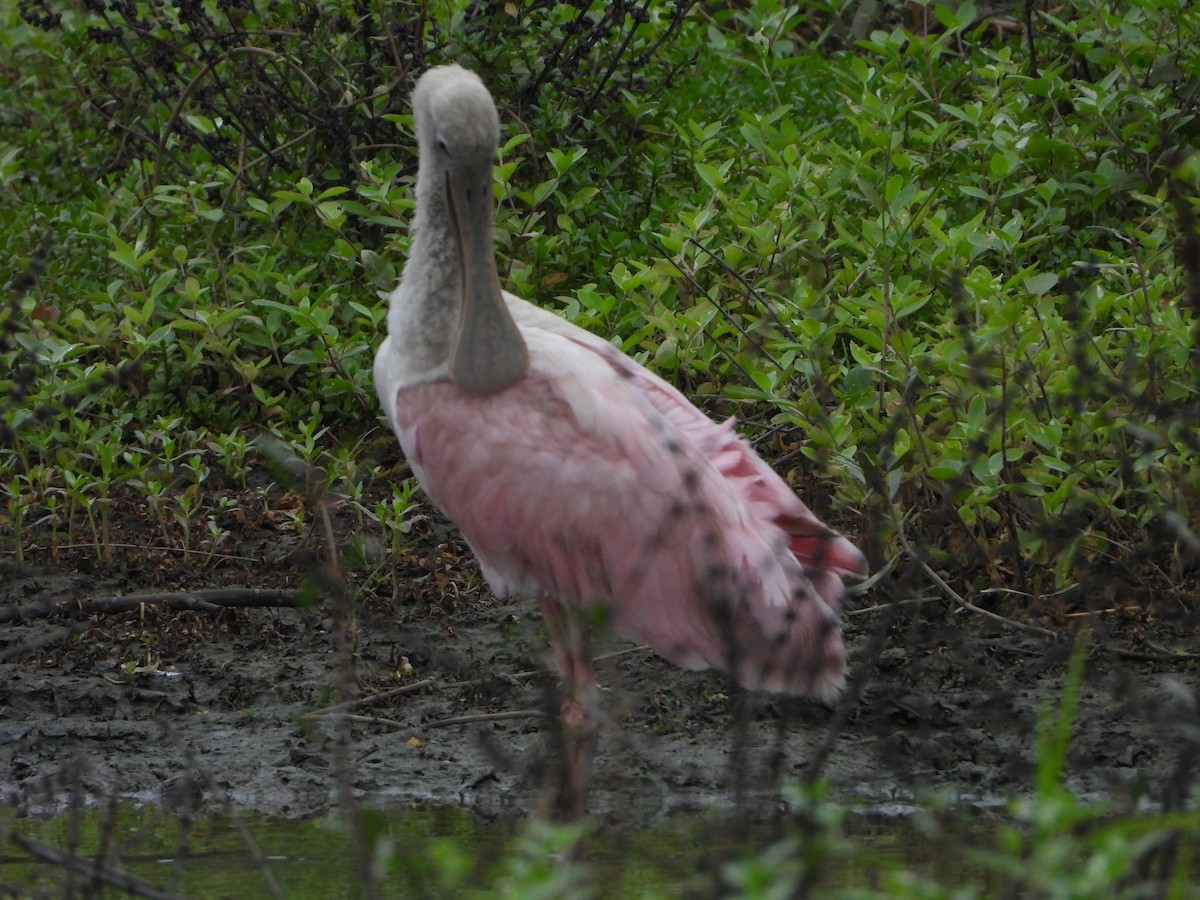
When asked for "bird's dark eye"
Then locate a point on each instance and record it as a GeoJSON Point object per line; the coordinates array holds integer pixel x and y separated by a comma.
{"type": "Point", "coordinates": [442, 145]}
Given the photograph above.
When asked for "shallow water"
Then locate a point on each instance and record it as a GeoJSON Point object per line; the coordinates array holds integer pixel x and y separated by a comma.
{"type": "Point", "coordinates": [440, 851]}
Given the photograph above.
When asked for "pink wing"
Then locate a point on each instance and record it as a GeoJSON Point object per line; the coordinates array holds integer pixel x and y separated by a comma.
{"type": "Point", "coordinates": [596, 483]}
{"type": "Point", "coordinates": [813, 542]}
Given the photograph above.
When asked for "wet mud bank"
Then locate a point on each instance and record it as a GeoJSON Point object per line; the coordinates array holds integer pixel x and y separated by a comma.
{"type": "Point", "coordinates": [450, 703]}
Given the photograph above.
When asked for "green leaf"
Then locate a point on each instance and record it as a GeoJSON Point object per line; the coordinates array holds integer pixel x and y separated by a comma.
{"type": "Point", "coordinates": [955, 19]}
{"type": "Point", "coordinates": [711, 175]}
{"type": "Point", "coordinates": [859, 380]}
{"type": "Point", "coordinates": [1040, 283]}
{"type": "Point", "coordinates": [202, 124]}
{"type": "Point", "coordinates": [944, 472]}
{"type": "Point", "coordinates": [976, 413]}
{"type": "Point", "coordinates": [302, 356]}
{"type": "Point", "coordinates": [1000, 164]}
{"type": "Point", "coordinates": [379, 271]}
{"type": "Point", "coordinates": [514, 142]}
{"type": "Point", "coordinates": [163, 281]}
{"type": "Point", "coordinates": [561, 161]}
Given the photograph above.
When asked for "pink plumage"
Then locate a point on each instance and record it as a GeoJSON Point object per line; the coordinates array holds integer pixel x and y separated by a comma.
{"type": "Point", "coordinates": [594, 481]}
{"type": "Point", "coordinates": [580, 478]}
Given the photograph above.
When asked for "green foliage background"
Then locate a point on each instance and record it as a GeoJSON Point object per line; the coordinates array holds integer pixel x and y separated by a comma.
{"type": "Point", "coordinates": [942, 264]}
{"type": "Point", "coordinates": [941, 261]}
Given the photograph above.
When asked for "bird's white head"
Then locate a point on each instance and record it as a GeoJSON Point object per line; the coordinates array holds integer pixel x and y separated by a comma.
{"type": "Point", "coordinates": [460, 306]}
{"type": "Point", "coordinates": [455, 117]}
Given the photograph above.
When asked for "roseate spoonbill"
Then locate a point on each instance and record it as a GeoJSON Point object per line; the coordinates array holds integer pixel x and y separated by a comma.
{"type": "Point", "coordinates": [580, 478]}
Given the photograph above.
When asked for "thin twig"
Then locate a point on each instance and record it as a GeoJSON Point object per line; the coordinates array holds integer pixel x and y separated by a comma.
{"type": "Point", "coordinates": [378, 720]}
{"type": "Point", "coordinates": [884, 607]}
{"type": "Point", "coordinates": [534, 673]}
{"type": "Point", "coordinates": [866, 584]}
{"type": "Point", "coordinates": [486, 717]}
{"type": "Point", "coordinates": [848, 702]}
{"type": "Point", "coordinates": [957, 597]}
{"type": "Point", "coordinates": [200, 601]}
{"type": "Point", "coordinates": [159, 548]}
{"type": "Point", "coordinates": [690, 277]}
{"type": "Point", "coordinates": [613, 654]}
{"type": "Point", "coordinates": [260, 860]}
{"type": "Point", "coordinates": [372, 698]}
{"type": "Point", "coordinates": [1168, 653]}
{"type": "Point", "coordinates": [1099, 612]}
{"type": "Point", "coordinates": [1008, 590]}
{"type": "Point", "coordinates": [754, 292]}
{"type": "Point", "coordinates": [1154, 657]}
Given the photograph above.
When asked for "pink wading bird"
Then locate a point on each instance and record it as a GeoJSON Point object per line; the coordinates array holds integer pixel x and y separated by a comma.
{"type": "Point", "coordinates": [580, 478]}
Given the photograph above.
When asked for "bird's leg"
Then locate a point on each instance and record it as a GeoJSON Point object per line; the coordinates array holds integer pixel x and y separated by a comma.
{"type": "Point", "coordinates": [572, 643]}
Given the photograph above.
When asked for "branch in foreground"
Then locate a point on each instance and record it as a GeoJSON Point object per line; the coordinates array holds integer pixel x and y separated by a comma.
{"type": "Point", "coordinates": [197, 601]}
{"type": "Point", "coordinates": [94, 869]}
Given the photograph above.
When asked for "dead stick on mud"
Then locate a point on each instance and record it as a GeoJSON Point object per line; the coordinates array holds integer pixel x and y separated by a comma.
{"type": "Point", "coordinates": [891, 604]}
{"type": "Point", "coordinates": [198, 601]}
{"type": "Point", "coordinates": [377, 720]}
{"type": "Point", "coordinates": [515, 677]}
{"type": "Point", "coordinates": [486, 717]}
{"type": "Point", "coordinates": [92, 868]}
{"type": "Point", "coordinates": [534, 673]}
{"type": "Point", "coordinates": [157, 548]}
{"type": "Point", "coordinates": [373, 698]}
{"type": "Point", "coordinates": [979, 610]}
{"type": "Point", "coordinates": [1166, 656]}
{"type": "Point", "coordinates": [1112, 610]}
{"type": "Point", "coordinates": [1168, 653]}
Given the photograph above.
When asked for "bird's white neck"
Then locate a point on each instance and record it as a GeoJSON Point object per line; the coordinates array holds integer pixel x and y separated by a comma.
{"type": "Point", "coordinates": [426, 306]}
{"type": "Point", "coordinates": [448, 317]}
{"type": "Point", "coordinates": [449, 313]}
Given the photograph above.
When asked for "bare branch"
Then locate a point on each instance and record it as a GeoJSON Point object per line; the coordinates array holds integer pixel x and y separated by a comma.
{"type": "Point", "coordinates": [198, 601]}
{"type": "Point", "coordinates": [92, 868]}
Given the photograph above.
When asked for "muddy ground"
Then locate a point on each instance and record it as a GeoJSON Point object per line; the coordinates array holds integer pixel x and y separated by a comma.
{"type": "Point", "coordinates": [206, 709]}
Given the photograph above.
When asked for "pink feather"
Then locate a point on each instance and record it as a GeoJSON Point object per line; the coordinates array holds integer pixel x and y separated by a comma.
{"type": "Point", "coordinates": [594, 482]}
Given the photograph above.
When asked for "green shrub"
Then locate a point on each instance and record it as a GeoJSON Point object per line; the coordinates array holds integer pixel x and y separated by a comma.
{"type": "Point", "coordinates": [941, 271]}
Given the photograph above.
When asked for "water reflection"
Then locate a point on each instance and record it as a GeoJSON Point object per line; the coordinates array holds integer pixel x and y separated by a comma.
{"type": "Point", "coordinates": [446, 851]}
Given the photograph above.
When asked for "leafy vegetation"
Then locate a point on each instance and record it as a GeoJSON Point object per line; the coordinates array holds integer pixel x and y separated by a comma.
{"type": "Point", "coordinates": [947, 266]}
{"type": "Point", "coordinates": [947, 273]}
